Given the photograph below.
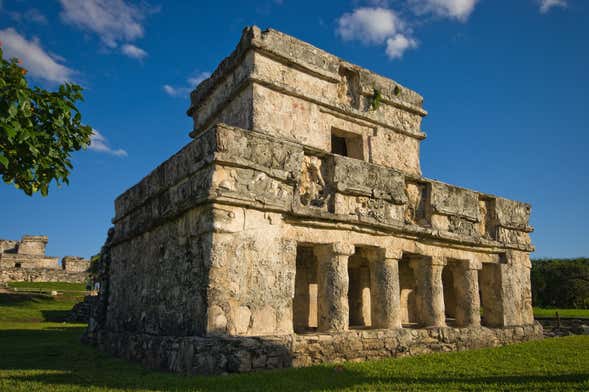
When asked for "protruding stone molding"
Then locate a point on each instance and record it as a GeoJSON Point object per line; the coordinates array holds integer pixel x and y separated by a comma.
{"type": "Point", "coordinates": [332, 275]}
{"type": "Point", "coordinates": [430, 289]}
{"type": "Point", "coordinates": [385, 288]}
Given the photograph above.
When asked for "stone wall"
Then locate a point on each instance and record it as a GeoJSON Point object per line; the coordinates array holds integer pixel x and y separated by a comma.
{"type": "Point", "coordinates": [75, 264]}
{"type": "Point", "coordinates": [41, 275]}
{"type": "Point", "coordinates": [8, 246]}
{"type": "Point", "coordinates": [210, 355]}
{"type": "Point", "coordinates": [564, 326]}
{"type": "Point", "coordinates": [168, 296]}
{"type": "Point", "coordinates": [163, 230]}
{"type": "Point", "coordinates": [18, 260]}
{"type": "Point", "coordinates": [33, 245]}
{"type": "Point", "coordinates": [25, 260]}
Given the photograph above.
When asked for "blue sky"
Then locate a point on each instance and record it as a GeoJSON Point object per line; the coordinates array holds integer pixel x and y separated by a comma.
{"type": "Point", "coordinates": [505, 83]}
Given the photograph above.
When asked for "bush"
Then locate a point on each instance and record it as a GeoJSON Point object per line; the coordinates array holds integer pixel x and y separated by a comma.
{"type": "Point", "coordinates": [561, 283]}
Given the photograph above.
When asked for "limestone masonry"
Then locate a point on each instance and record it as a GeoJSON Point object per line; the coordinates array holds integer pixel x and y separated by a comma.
{"type": "Point", "coordinates": [296, 228]}
{"type": "Point", "coordinates": [25, 260]}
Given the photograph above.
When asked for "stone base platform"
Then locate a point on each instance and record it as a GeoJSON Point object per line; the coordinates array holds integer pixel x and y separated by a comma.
{"type": "Point", "coordinates": [213, 355]}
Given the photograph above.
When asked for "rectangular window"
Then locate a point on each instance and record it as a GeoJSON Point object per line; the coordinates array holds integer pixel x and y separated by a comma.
{"type": "Point", "coordinates": [347, 144]}
{"type": "Point", "coordinates": [338, 145]}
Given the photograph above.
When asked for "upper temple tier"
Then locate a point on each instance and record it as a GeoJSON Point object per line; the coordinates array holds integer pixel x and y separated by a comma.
{"type": "Point", "coordinates": [281, 86]}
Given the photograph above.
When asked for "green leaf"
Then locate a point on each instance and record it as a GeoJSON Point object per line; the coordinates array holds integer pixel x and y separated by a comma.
{"type": "Point", "coordinates": [12, 110]}
{"type": "Point", "coordinates": [3, 161]}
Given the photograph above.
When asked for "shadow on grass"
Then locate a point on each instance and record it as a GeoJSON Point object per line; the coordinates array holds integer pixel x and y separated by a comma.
{"type": "Point", "coordinates": [60, 360]}
{"type": "Point", "coordinates": [20, 298]}
{"type": "Point", "coordinates": [55, 316]}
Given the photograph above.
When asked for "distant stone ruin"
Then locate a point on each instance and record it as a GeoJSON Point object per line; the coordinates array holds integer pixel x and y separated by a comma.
{"type": "Point", "coordinates": [25, 260]}
{"type": "Point", "coordinates": [297, 228]}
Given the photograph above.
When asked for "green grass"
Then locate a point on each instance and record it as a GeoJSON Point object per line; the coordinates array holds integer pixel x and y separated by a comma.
{"type": "Point", "coordinates": [547, 312]}
{"type": "Point", "coordinates": [37, 355]}
{"type": "Point", "coordinates": [48, 286]}
{"type": "Point", "coordinates": [36, 308]}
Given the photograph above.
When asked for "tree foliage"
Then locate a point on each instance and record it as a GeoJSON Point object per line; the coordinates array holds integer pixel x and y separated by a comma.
{"type": "Point", "coordinates": [560, 283]}
{"type": "Point", "coordinates": [39, 130]}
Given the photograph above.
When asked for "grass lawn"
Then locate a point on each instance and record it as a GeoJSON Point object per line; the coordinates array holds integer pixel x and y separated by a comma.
{"type": "Point", "coordinates": [547, 312]}
{"type": "Point", "coordinates": [37, 355]}
{"type": "Point", "coordinates": [35, 308]}
{"type": "Point", "coordinates": [47, 286]}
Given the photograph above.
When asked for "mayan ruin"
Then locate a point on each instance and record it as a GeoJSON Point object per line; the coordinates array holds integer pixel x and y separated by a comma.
{"type": "Point", "coordinates": [25, 261]}
{"type": "Point", "coordinates": [296, 228]}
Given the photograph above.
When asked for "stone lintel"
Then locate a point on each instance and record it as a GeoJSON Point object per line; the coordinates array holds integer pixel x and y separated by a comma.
{"type": "Point", "coordinates": [395, 254]}
{"type": "Point", "coordinates": [335, 248]}
{"type": "Point", "coordinates": [468, 264]}
{"type": "Point", "coordinates": [439, 261]}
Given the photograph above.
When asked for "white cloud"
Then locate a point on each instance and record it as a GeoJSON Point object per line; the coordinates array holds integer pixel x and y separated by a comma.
{"type": "Point", "coordinates": [196, 80]}
{"type": "Point", "coordinates": [377, 26]}
{"type": "Point", "coordinates": [174, 91]}
{"type": "Point", "coordinates": [453, 9]}
{"type": "Point", "coordinates": [112, 20]}
{"type": "Point", "coordinates": [133, 51]}
{"type": "Point", "coordinates": [99, 143]}
{"type": "Point", "coordinates": [369, 25]}
{"type": "Point", "coordinates": [36, 60]}
{"type": "Point", "coordinates": [192, 81]}
{"type": "Point", "coordinates": [547, 5]}
{"type": "Point", "coordinates": [398, 44]}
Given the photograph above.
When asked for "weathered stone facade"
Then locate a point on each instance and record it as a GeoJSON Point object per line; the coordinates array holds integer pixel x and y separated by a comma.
{"type": "Point", "coordinates": [298, 215]}
{"type": "Point", "coordinates": [25, 260]}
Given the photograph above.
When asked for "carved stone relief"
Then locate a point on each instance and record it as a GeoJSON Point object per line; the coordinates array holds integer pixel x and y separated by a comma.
{"type": "Point", "coordinates": [313, 188]}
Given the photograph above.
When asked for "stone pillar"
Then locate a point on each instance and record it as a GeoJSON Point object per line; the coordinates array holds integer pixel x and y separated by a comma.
{"type": "Point", "coordinates": [516, 288]}
{"type": "Point", "coordinates": [428, 272]}
{"type": "Point", "coordinates": [332, 278]}
{"type": "Point", "coordinates": [385, 291]}
{"type": "Point", "coordinates": [466, 281]}
{"type": "Point", "coordinates": [492, 295]}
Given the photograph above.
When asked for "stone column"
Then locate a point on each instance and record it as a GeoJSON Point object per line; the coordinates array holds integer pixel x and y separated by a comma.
{"type": "Point", "coordinates": [385, 291]}
{"type": "Point", "coordinates": [332, 278]}
{"type": "Point", "coordinates": [428, 272]}
{"type": "Point", "coordinates": [466, 281]}
{"type": "Point", "coordinates": [492, 295]}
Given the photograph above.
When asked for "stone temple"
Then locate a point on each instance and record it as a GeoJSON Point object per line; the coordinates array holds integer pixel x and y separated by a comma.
{"type": "Point", "coordinates": [296, 228]}
{"type": "Point", "coordinates": [25, 260]}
